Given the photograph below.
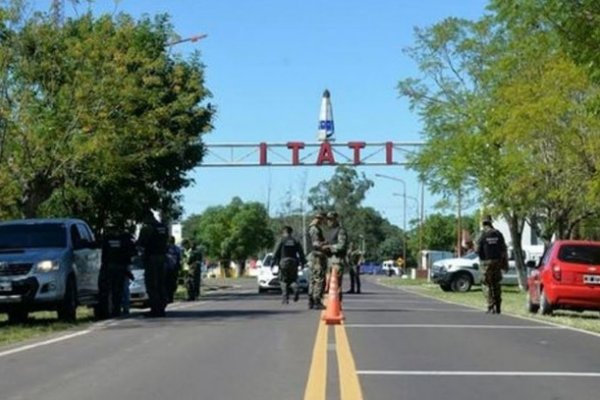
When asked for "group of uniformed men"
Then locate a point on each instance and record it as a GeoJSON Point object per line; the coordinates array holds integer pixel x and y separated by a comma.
{"type": "Point", "coordinates": [329, 252]}
{"type": "Point", "coordinates": [162, 260]}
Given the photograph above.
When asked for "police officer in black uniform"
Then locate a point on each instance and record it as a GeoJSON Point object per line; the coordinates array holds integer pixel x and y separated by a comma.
{"type": "Point", "coordinates": [117, 250]}
{"type": "Point", "coordinates": [154, 240]}
{"type": "Point", "coordinates": [493, 256]}
{"type": "Point", "coordinates": [288, 255]}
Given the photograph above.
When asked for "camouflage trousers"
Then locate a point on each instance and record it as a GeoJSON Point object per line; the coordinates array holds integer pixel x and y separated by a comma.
{"type": "Point", "coordinates": [335, 263]}
{"type": "Point", "coordinates": [288, 276]}
{"type": "Point", "coordinates": [318, 266]}
{"type": "Point", "coordinates": [491, 275]}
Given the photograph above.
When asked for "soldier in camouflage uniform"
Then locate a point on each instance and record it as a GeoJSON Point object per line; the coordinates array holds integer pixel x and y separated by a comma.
{"type": "Point", "coordinates": [336, 247]}
{"type": "Point", "coordinates": [492, 251]}
{"type": "Point", "coordinates": [288, 255]}
{"type": "Point", "coordinates": [318, 262]}
{"type": "Point", "coordinates": [355, 258]}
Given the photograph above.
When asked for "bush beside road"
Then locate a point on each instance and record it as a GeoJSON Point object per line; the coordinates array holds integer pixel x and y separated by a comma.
{"type": "Point", "coordinates": [513, 303]}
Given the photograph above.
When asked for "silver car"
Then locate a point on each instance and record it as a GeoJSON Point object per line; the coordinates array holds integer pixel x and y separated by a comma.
{"type": "Point", "coordinates": [137, 287]}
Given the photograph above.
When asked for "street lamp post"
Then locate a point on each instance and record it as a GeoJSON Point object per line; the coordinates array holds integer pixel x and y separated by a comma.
{"type": "Point", "coordinates": [189, 39]}
{"type": "Point", "coordinates": [404, 212]}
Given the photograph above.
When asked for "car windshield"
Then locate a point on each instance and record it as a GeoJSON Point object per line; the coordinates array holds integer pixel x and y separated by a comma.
{"type": "Point", "coordinates": [28, 236]}
{"type": "Point", "coordinates": [267, 260]}
{"type": "Point", "coordinates": [470, 256]}
{"type": "Point", "coordinates": [580, 254]}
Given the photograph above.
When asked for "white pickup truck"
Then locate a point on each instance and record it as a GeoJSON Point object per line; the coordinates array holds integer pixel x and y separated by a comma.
{"type": "Point", "coordinates": [460, 274]}
{"type": "Point", "coordinates": [48, 264]}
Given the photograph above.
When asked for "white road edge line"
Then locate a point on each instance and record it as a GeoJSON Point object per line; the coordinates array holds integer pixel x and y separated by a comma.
{"type": "Point", "coordinates": [45, 342]}
{"type": "Point", "coordinates": [450, 326]}
{"type": "Point", "coordinates": [94, 327]}
{"type": "Point", "coordinates": [483, 373]}
{"type": "Point", "coordinates": [566, 327]}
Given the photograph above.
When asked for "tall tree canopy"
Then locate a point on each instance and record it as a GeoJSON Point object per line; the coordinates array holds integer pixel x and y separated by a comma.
{"type": "Point", "coordinates": [233, 232]}
{"type": "Point", "coordinates": [97, 119]}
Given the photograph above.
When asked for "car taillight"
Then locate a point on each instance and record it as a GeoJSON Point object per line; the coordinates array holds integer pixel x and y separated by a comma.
{"type": "Point", "coordinates": [556, 273]}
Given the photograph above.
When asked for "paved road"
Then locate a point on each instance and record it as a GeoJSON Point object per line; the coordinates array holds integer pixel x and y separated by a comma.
{"type": "Point", "coordinates": [411, 347]}
{"type": "Point", "coordinates": [239, 345]}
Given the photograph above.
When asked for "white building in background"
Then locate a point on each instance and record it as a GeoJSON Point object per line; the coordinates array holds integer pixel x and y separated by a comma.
{"type": "Point", "coordinates": [530, 243]}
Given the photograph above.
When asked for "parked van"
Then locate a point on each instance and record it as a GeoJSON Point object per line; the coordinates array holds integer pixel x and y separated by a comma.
{"type": "Point", "coordinates": [390, 268]}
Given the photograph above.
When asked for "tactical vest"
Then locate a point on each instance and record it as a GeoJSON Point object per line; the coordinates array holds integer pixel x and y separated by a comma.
{"type": "Point", "coordinates": [289, 248]}
{"type": "Point", "coordinates": [332, 238]}
{"type": "Point", "coordinates": [117, 249]}
{"type": "Point", "coordinates": [159, 239]}
{"type": "Point", "coordinates": [492, 245]}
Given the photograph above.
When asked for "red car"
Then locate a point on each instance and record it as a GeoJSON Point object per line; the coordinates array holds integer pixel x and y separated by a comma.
{"type": "Point", "coordinates": [567, 277]}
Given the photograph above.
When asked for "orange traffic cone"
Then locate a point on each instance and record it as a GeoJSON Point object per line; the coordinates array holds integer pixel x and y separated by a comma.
{"type": "Point", "coordinates": [333, 313]}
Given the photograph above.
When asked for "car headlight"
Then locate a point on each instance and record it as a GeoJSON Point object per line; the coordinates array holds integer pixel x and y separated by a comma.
{"type": "Point", "coordinates": [47, 266]}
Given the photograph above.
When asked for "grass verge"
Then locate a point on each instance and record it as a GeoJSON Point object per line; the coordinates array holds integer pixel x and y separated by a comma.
{"type": "Point", "coordinates": [40, 324]}
{"type": "Point", "coordinates": [513, 302]}
{"type": "Point", "coordinates": [45, 323]}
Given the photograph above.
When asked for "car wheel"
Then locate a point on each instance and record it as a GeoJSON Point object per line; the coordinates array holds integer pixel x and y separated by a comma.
{"type": "Point", "coordinates": [18, 315]}
{"type": "Point", "coordinates": [445, 287]}
{"type": "Point", "coordinates": [545, 306]}
{"type": "Point", "coordinates": [261, 290]}
{"type": "Point", "coordinates": [531, 307]}
{"type": "Point", "coordinates": [461, 283]}
{"type": "Point", "coordinates": [67, 309]}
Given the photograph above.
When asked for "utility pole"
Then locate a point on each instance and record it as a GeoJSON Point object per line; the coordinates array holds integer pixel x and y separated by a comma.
{"type": "Point", "coordinates": [421, 218]}
{"type": "Point", "coordinates": [459, 227]}
{"type": "Point", "coordinates": [58, 11]}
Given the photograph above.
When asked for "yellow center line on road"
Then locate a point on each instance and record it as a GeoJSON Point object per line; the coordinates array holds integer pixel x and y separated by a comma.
{"type": "Point", "coordinates": [316, 385]}
{"type": "Point", "coordinates": [349, 384]}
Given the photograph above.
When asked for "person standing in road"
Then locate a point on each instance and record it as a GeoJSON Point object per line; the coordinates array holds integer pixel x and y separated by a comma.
{"type": "Point", "coordinates": [355, 258]}
{"type": "Point", "coordinates": [173, 267]}
{"type": "Point", "coordinates": [317, 261]}
{"type": "Point", "coordinates": [194, 278]}
{"type": "Point", "coordinates": [493, 256]}
{"type": "Point", "coordinates": [117, 250]}
{"type": "Point", "coordinates": [336, 248]}
{"type": "Point", "coordinates": [289, 255]}
{"type": "Point", "coordinates": [154, 240]}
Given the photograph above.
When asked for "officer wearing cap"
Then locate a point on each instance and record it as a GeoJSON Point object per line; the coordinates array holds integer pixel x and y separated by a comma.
{"type": "Point", "coordinates": [336, 247]}
{"type": "Point", "coordinates": [317, 260]}
{"type": "Point", "coordinates": [493, 256]}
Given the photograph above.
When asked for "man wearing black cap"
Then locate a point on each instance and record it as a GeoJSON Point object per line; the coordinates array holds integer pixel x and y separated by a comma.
{"type": "Point", "coordinates": [318, 262]}
{"type": "Point", "coordinates": [492, 251]}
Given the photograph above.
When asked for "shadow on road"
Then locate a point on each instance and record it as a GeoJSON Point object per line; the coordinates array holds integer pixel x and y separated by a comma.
{"type": "Point", "coordinates": [184, 317]}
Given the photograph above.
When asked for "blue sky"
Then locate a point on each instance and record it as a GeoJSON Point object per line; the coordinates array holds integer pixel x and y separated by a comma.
{"type": "Point", "coordinates": [267, 64]}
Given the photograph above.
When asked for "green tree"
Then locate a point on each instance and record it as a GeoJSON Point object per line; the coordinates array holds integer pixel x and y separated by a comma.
{"type": "Point", "coordinates": [233, 232]}
{"type": "Point", "coordinates": [343, 193]}
{"type": "Point", "coordinates": [97, 119]}
{"type": "Point", "coordinates": [497, 121]}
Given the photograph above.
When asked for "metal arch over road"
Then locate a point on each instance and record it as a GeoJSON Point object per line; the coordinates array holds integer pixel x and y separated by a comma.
{"type": "Point", "coordinates": [288, 154]}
